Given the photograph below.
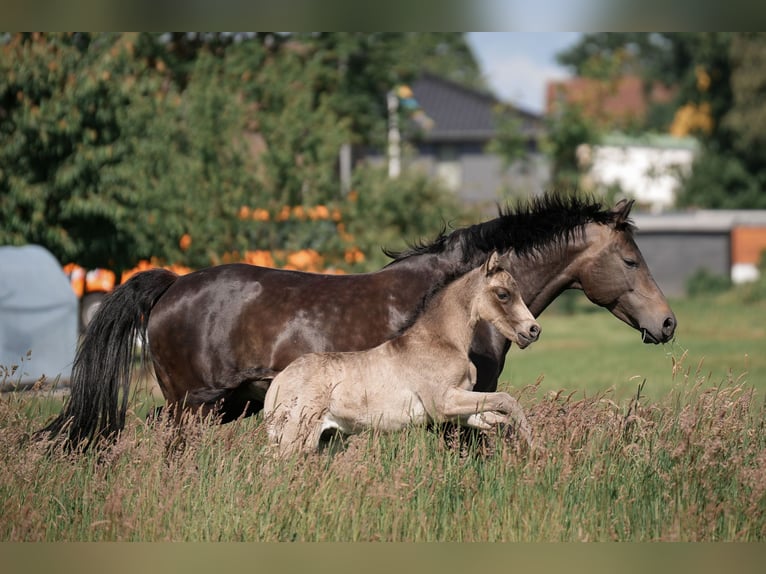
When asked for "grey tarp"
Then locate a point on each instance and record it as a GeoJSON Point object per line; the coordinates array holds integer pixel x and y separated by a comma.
{"type": "Point", "coordinates": [38, 313]}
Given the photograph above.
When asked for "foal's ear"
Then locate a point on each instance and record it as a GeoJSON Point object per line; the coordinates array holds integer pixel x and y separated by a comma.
{"type": "Point", "coordinates": [622, 211]}
{"type": "Point", "coordinates": [493, 264]}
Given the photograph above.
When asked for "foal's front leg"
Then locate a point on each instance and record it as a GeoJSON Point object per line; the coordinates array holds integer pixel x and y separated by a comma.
{"type": "Point", "coordinates": [485, 410]}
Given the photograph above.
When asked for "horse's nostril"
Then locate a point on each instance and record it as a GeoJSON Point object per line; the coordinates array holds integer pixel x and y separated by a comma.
{"type": "Point", "coordinates": [669, 325]}
{"type": "Point", "coordinates": [534, 331]}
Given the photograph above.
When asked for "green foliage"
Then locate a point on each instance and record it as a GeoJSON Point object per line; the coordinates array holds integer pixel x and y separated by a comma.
{"type": "Point", "coordinates": [746, 117]}
{"type": "Point", "coordinates": [299, 132]}
{"type": "Point", "coordinates": [755, 291]}
{"type": "Point", "coordinates": [567, 130]}
{"type": "Point", "coordinates": [703, 282]}
{"type": "Point", "coordinates": [392, 213]}
{"type": "Point", "coordinates": [115, 146]}
{"type": "Point", "coordinates": [722, 181]}
{"type": "Point", "coordinates": [446, 54]}
{"type": "Point", "coordinates": [610, 55]}
{"type": "Point", "coordinates": [509, 141]}
{"type": "Point", "coordinates": [103, 161]}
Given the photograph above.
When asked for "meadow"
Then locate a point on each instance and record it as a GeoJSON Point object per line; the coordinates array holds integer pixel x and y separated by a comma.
{"type": "Point", "coordinates": [635, 443]}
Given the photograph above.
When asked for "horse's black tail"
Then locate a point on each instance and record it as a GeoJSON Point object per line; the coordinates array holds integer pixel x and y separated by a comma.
{"type": "Point", "coordinates": [101, 372]}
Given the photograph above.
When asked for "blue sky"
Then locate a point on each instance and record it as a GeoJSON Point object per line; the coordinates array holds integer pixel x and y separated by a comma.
{"type": "Point", "coordinates": [517, 65]}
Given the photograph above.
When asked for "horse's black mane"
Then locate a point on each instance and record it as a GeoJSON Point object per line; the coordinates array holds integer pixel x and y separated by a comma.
{"type": "Point", "coordinates": [532, 224]}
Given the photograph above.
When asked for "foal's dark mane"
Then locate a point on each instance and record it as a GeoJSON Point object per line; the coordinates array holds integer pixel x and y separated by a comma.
{"type": "Point", "coordinates": [544, 221]}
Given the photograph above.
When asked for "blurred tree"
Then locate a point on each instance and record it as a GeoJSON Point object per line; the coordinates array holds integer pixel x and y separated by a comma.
{"type": "Point", "coordinates": [97, 150]}
{"type": "Point", "coordinates": [567, 130]}
{"type": "Point", "coordinates": [114, 147]}
{"type": "Point", "coordinates": [509, 141]}
{"type": "Point", "coordinates": [313, 92]}
{"type": "Point", "coordinates": [720, 83]}
{"type": "Point", "coordinates": [359, 68]}
{"type": "Point", "coordinates": [731, 170]}
{"type": "Point", "coordinates": [747, 116]}
{"type": "Point", "coordinates": [609, 55]}
{"type": "Point", "coordinates": [394, 213]}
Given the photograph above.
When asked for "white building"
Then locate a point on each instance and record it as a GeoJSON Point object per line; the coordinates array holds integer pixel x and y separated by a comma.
{"type": "Point", "coordinates": [646, 168]}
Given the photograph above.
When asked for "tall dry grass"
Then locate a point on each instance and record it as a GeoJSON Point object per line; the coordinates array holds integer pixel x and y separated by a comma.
{"type": "Point", "coordinates": [691, 466]}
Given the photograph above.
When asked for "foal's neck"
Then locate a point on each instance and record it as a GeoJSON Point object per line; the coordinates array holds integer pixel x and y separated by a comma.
{"type": "Point", "coordinates": [451, 314]}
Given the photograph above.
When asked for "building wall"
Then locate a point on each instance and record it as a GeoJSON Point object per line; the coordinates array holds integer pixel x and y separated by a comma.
{"type": "Point", "coordinates": [648, 174]}
{"type": "Point", "coordinates": [482, 179]}
{"type": "Point", "coordinates": [725, 242]}
{"type": "Point", "coordinates": [748, 244]}
{"type": "Point", "coordinates": [674, 256]}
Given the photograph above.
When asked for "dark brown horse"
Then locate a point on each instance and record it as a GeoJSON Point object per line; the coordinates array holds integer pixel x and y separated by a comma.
{"type": "Point", "coordinates": [218, 336]}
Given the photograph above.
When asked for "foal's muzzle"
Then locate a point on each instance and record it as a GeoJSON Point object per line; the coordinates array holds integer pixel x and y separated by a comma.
{"type": "Point", "coordinates": [529, 336]}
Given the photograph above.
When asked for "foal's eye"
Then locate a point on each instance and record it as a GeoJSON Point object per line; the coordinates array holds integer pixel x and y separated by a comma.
{"type": "Point", "coordinates": [630, 262]}
{"type": "Point", "coordinates": [502, 295]}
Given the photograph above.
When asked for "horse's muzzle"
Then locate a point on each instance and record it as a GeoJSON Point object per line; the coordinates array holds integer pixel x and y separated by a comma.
{"type": "Point", "coordinates": [668, 330]}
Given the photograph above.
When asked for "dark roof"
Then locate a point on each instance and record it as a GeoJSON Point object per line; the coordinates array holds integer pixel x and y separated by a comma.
{"type": "Point", "coordinates": [458, 112]}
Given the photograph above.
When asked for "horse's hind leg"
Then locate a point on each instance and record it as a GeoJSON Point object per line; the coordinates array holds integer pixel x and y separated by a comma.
{"type": "Point", "coordinates": [246, 398]}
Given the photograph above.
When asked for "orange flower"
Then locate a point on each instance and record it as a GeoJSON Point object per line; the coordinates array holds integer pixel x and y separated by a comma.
{"type": "Point", "coordinates": [259, 257]}
{"type": "Point", "coordinates": [178, 269]}
{"type": "Point", "coordinates": [185, 242]}
{"type": "Point", "coordinates": [142, 265]}
{"type": "Point", "coordinates": [244, 212]}
{"type": "Point", "coordinates": [99, 280]}
{"type": "Point", "coordinates": [284, 213]}
{"type": "Point", "coordinates": [260, 215]}
{"type": "Point", "coordinates": [305, 260]}
{"type": "Point", "coordinates": [76, 276]}
{"type": "Point", "coordinates": [299, 213]}
{"type": "Point", "coordinates": [354, 255]}
{"type": "Point", "coordinates": [319, 212]}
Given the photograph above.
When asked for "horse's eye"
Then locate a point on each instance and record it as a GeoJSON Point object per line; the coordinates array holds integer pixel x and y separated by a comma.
{"type": "Point", "coordinates": [630, 263]}
{"type": "Point", "coordinates": [502, 295]}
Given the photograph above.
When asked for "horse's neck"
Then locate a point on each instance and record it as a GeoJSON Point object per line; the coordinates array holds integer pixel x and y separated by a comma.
{"type": "Point", "coordinates": [451, 314]}
{"type": "Point", "coordinates": [544, 275]}
{"type": "Point", "coordinates": [435, 268]}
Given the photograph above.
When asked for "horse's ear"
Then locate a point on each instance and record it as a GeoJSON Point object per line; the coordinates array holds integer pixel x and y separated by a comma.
{"type": "Point", "coordinates": [622, 211]}
{"type": "Point", "coordinates": [492, 264]}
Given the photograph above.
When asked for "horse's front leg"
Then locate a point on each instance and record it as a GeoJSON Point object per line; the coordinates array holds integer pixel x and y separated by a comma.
{"type": "Point", "coordinates": [485, 410]}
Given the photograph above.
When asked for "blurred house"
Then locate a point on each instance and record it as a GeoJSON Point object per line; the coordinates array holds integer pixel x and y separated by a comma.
{"type": "Point", "coordinates": [450, 143]}
{"type": "Point", "coordinates": [646, 167]}
{"type": "Point", "coordinates": [621, 104]}
{"type": "Point", "coordinates": [722, 242]}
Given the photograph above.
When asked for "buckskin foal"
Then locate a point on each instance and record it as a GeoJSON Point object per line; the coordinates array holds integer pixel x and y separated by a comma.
{"type": "Point", "coordinates": [423, 375]}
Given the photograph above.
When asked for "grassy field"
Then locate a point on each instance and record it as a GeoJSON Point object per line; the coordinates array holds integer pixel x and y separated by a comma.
{"type": "Point", "coordinates": [591, 351]}
{"type": "Point", "coordinates": [682, 460]}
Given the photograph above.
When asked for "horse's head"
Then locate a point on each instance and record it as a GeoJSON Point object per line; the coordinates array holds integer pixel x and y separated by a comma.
{"type": "Point", "coordinates": [615, 276]}
{"type": "Point", "coordinates": [501, 304]}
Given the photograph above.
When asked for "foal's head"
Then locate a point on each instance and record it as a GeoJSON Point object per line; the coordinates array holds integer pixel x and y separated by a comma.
{"type": "Point", "coordinates": [500, 303]}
